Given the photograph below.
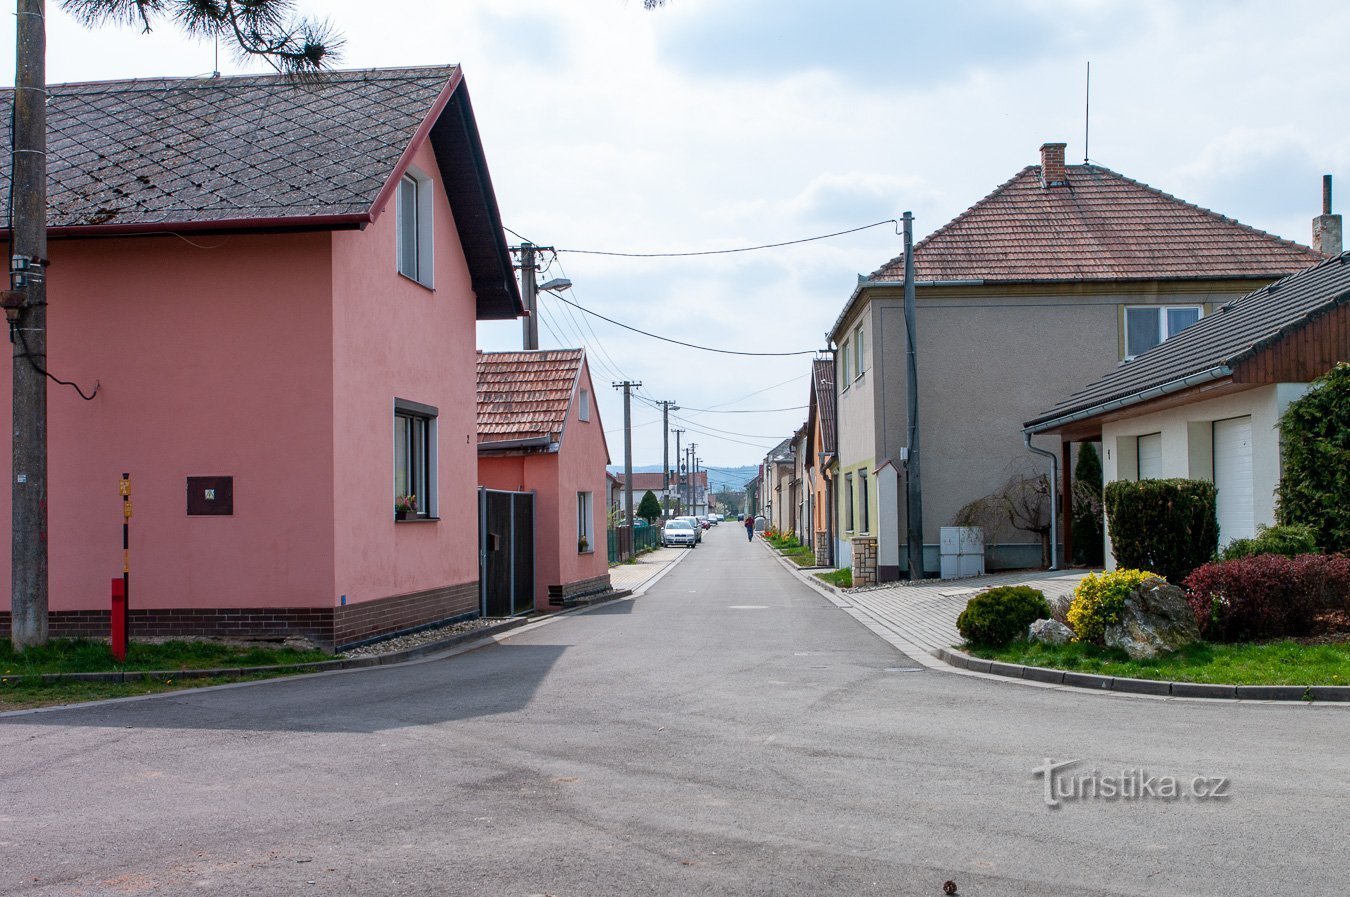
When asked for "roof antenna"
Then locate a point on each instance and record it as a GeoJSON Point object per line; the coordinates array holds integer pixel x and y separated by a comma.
{"type": "Point", "coordinates": [1087, 110]}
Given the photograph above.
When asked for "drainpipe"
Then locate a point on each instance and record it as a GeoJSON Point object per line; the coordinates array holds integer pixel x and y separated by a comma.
{"type": "Point", "coordinates": [1054, 498]}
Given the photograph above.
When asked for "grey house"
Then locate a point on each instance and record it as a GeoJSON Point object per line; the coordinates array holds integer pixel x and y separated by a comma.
{"type": "Point", "coordinates": [1060, 274]}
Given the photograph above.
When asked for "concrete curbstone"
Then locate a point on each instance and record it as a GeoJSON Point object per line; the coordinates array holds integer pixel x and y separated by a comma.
{"type": "Point", "coordinates": [1330, 692]}
{"type": "Point", "coordinates": [1087, 680]}
{"type": "Point", "coordinates": [1043, 674]}
{"type": "Point", "coordinates": [978, 664]}
{"type": "Point", "coordinates": [1272, 692]}
{"type": "Point", "coordinates": [1141, 686]}
{"type": "Point", "coordinates": [1202, 690]}
{"type": "Point", "coordinates": [1010, 670]}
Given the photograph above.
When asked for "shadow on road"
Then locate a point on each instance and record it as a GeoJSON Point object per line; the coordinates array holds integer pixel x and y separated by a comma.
{"type": "Point", "coordinates": [493, 680]}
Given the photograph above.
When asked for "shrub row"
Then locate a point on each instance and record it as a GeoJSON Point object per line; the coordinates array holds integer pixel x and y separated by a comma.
{"type": "Point", "coordinates": [1170, 526]}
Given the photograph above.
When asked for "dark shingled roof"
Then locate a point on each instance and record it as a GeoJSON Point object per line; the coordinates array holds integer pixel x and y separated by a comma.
{"type": "Point", "coordinates": [1100, 226]}
{"type": "Point", "coordinates": [265, 152]}
{"type": "Point", "coordinates": [526, 395]}
{"type": "Point", "coordinates": [1225, 338]}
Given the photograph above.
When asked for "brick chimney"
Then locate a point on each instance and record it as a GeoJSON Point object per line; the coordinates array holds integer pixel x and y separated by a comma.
{"type": "Point", "coordinates": [1052, 165]}
{"type": "Point", "coordinates": [1327, 227]}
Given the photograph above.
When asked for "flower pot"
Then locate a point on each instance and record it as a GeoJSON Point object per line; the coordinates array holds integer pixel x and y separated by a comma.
{"type": "Point", "coordinates": [401, 513]}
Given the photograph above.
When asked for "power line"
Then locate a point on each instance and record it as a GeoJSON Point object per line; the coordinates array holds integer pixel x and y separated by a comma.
{"type": "Point", "coordinates": [728, 432]}
{"type": "Point", "coordinates": [747, 410]}
{"type": "Point", "coordinates": [681, 342]}
{"type": "Point", "coordinates": [668, 255]}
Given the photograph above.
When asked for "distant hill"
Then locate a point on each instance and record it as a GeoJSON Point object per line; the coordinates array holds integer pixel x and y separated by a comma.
{"type": "Point", "coordinates": [719, 478]}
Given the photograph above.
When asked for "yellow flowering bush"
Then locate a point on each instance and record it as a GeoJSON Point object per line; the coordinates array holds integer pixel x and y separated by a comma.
{"type": "Point", "coordinates": [1098, 600]}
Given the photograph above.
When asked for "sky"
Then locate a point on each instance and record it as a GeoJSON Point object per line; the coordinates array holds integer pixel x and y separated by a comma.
{"type": "Point", "coordinates": [720, 124]}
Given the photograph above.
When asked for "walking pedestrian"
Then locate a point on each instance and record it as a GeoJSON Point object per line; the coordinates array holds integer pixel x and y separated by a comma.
{"type": "Point", "coordinates": [750, 527]}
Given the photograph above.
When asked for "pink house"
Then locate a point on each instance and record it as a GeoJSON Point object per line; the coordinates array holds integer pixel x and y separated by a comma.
{"type": "Point", "coordinates": [539, 432]}
{"type": "Point", "coordinates": [275, 285]}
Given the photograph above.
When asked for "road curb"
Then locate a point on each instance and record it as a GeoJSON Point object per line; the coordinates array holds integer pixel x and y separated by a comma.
{"type": "Point", "coordinates": [1289, 694]}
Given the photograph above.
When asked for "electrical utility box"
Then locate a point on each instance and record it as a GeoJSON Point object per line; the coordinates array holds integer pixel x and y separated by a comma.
{"type": "Point", "coordinates": [962, 551]}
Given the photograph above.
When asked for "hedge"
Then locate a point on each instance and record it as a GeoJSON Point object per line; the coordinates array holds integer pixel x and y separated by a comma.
{"type": "Point", "coordinates": [1315, 445]}
{"type": "Point", "coordinates": [1267, 596]}
{"type": "Point", "coordinates": [1168, 526]}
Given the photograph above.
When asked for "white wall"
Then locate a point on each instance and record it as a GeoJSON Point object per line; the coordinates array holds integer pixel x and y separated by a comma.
{"type": "Point", "coordinates": [1187, 450]}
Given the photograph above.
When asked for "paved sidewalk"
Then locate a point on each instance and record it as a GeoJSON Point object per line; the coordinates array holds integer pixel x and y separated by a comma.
{"type": "Point", "coordinates": [925, 614]}
{"type": "Point", "coordinates": [634, 576]}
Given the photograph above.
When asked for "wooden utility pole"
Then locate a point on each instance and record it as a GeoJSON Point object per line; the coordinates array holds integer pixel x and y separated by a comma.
{"type": "Point", "coordinates": [679, 505]}
{"type": "Point", "coordinates": [26, 308]}
{"type": "Point", "coordinates": [666, 408]}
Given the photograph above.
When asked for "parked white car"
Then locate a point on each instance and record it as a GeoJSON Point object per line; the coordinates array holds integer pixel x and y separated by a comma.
{"type": "Point", "coordinates": [696, 524]}
{"type": "Point", "coordinates": [679, 532]}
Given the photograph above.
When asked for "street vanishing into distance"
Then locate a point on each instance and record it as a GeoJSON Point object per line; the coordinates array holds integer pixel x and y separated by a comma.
{"type": "Point", "coordinates": [729, 732]}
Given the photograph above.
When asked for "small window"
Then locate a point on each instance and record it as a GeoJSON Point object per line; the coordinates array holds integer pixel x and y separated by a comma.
{"type": "Point", "coordinates": [413, 209]}
{"type": "Point", "coordinates": [843, 364]}
{"type": "Point", "coordinates": [585, 522]}
{"type": "Point", "coordinates": [584, 404]}
{"type": "Point", "coordinates": [858, 352]}
{"type": "Point", "coordinates": [865, 517]}
{"type": "Point", "coordinates": [848, 502]}
{"type": "Point", "coordinates": [1148, 325]}
{"type": "Point", "coordinates": [415, 455]}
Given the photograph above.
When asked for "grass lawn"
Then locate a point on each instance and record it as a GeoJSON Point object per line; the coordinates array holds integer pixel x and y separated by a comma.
{"type": "Point", "coordinates": [842, 578]}
{"type": "Point", "coordinates": [21, 694]}
{"type": "Point", "coordinates": [21, 687]}
{"type": "Point", "coordinates": [1272, 663]}
{"type": "Point", "coordinates": [802, 557]}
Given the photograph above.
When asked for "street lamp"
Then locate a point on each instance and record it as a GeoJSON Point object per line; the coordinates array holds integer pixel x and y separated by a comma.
{"type": "Point", "coordinates": [556, 285]}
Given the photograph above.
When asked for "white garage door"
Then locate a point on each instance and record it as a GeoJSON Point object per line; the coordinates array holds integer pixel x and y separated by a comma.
{"type": "Point", "coordinates": [1150, 457]}
{"type": "Point", "coordinates": [1233, 477]}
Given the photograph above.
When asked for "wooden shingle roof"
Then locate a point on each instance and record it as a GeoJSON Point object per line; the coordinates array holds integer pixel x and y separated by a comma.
{"type": "Point", "coordinates": [526, 395]}
{"type": "Point", "coordinates": [1097, 226]}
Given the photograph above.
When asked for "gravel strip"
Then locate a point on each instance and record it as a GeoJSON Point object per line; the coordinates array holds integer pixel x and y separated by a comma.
{"type": "Point", "coordinates": [417, 639]}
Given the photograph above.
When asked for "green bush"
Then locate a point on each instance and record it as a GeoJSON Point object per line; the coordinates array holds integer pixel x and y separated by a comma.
{"type": "Point", "coordinates": [1088, 528]}
{"type": "Point", "coordinates": [1170, 526]}
{"type": "Point", "coordinates": [650, 507]}
{"type": "Point", "coordinates": [1098, 601]}
{"type": "Point", "coordinates": [1289, 541]}
{"type": "Point", "coordinates": [1315, 441]}
{"type": "Point", "coordinates": [994, 618]}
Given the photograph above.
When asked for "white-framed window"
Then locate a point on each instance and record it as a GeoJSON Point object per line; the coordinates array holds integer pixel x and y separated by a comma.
{"type": "Point", "coordinates": [1148, 325]}
{"type": "Point", "coordinates": [585, 522]}
{"type": "Point", "coordinates": [843, 366]}
{"type": "Point", "coordinates": [864, 517]}
{"type": "Point", "coordinates": [413, 209]}
{"type": "Point", "coordinates": [858, 352]}
{"type": "Point", "coordinates": [848, 502]}
{"type": "Point", "coordinates": [415, 454]}
{"type": "Point", "coordinates": [584, 404]}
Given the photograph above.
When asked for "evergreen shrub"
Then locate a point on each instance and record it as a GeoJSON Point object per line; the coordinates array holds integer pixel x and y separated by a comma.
{"type": "Point", "coordinates": [1168, 526]}
{"type": "Point", "coordinates": [994, 618]}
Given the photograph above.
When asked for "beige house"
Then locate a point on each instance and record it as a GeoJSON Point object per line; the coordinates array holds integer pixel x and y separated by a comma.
{"type": "Point", "coordinates": [1061, 273]}
{"type": "Point", "coordinates": [1207, 404]}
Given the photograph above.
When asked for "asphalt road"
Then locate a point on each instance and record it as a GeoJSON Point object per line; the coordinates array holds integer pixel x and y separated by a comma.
{"type": "Point", "coordinates": [729, 733]}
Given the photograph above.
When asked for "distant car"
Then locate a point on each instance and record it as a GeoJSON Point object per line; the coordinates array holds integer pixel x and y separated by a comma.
{"type": "Point", "coordinates": [696, 524]}
{"type": "Point", "coordinates": [679, 532]}
{"type": "Point", "coordinates": [714, 519]}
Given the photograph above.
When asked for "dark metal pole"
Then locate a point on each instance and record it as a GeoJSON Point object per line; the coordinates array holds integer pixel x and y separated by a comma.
{"type": "Point", "coordinates": [913, 483]}
{"type": "Point", "coordinates": [665, 456]}
{"type": "Point", "coordinates": [28, 330]}
{"type": "Point", "coordinates": [679, 511]}
{"type": "Point", "coordinates": [627, 387]}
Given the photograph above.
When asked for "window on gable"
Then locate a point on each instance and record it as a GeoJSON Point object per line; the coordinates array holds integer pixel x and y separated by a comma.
{"type": "Point", "coordinates": [415, 455]}
{"type": "Point", "coordinates": [413, 210]}
{"type": "Point", "coordinates": [584, 405]}
{"type": "Point", "coordinates": [1148, 325]}
{"type": "Point", "coordinates": [843, 365]}
{"type": "Point", "coordinates": [858, 352]}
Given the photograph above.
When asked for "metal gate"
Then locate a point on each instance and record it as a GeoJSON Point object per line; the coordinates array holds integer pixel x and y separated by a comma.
{"type": "Point", "coordinates": [505, 552]}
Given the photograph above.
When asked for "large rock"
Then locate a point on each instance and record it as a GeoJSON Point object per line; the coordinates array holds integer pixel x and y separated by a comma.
{"type": "Point", "coordinates": [1155, 619]}
{"type": "Point", "coordinates": [1050, 632]}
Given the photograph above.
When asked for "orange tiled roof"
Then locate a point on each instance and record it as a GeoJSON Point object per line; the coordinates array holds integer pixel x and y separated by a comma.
{"type": "Point", "coordinates": [1099, 226]}
{"type": "Point", "coordinates": [525, 395]}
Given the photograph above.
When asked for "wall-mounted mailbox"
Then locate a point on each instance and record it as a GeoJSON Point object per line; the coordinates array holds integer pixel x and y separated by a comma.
{"type": "Point", "coordinates": [210, 496]}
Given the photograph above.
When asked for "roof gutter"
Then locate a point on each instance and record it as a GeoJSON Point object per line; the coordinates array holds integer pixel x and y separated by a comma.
{"type": "Point", "coordinates": [352, 221]}
{"type": "Point", "coordinates": [530, 442]}
{"type": "Point", "coordinates": [1215, 373]}
{"type": "Point", "coordinates": [894, 284]}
